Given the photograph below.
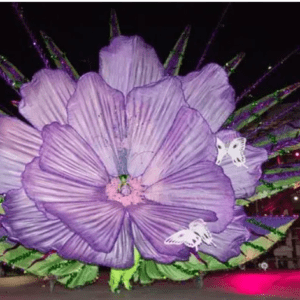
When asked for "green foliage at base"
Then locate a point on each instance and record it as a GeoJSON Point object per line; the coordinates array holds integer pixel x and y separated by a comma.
{"type": "Point", "coordinates": [70, 273]}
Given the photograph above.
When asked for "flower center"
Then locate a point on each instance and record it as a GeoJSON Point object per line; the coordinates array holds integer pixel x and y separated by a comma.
{"type": "Point", "coordinates": [125, 189]}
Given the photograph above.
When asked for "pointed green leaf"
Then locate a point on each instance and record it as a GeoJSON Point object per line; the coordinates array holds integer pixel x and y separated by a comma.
{"type": "Point", "coordinates": [114, 28]}
{"type": "Point", "coordinates": [233, 64]}
{"type": "Point", "coordinates": [270, 189]}
{"type": "Point", "coordinates": [253, 111]}
{"type": "Point", "coordinates": [285, 150]}
{"type": "Point", "coordinates": [11, 74]}
{"type": "Point", "coordinates": [281, 135]}
{"type": "Point", "coordinates": [281, 170]}
{"type": "Point", "coordinates": [59, 57]}
{"type": "Point", "coordinates": [174, 60]}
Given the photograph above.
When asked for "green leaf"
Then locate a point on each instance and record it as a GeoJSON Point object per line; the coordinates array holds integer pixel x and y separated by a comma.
{"type": "Point", "coordinates": [174, 60]}
{"type": "Point", "coordinates": [123, 276]}
{"type": "Point", "coordinates": [114, 28]}
{"type": "Point", "coordinates": [255, 110]}
{"type": "Point", "coordinates": [11, 74]}
{"type": "Point", "coordinates": [71, 273]}
{"type": "Point", "coordinates": [233, 64]}
{"type": "Point", "coordinates": [59, 57]}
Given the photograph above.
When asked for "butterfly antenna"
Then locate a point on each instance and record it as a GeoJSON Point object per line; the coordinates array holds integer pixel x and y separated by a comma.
{"type": "Point", "coordinates": [212, 37]}
{"type": "Point", "coordinates": [253, 86]}
{"type": "Point", "coordinates": [19, 12]}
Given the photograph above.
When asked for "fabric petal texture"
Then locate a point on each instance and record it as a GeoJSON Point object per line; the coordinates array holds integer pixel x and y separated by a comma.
{"type": "Point", "coordinates": [158, 222]}
{"type": "Point", "coordinates": [200, 186]}
{"type": "Point", "coordinates": [229, 241]}
{"type": "Point", "coordinates": [44, 99]}
{"type": "Point", "coordinates": [151, 111]}
{"type": "Point", "coordinates": [189, 141]}
{"type": "Point", "coordinates": [129, 62]}
{"type": "Point", "coordinates": [210, 93]}
{"type": "Point", "coordinates": [121, 256]}
{"type": "Point", "coordinates": [27, 225]}
{"type": "Point", "coordinates": [148, 251]}
{"type": "Point", "coordinates": [98, 223]}
{"type": "Point", "coordinates": [244, 180]}
{"type": "Point", "coordinates": [42, 186]}
{"type": "Point", "coordinates": [65, 153]}
{"type": "Point", "coordinates": [19, 144]}
{"type": "Point", "coordinates": [97, 113]}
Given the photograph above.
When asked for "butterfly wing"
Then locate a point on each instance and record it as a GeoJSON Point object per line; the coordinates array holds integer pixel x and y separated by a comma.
{"type": "Point", "coordinates": [222, 151]}
{"type": "Point", "coordinates": [187, 237]}
{"type": "Point", "coordinates": [236, 151]}
{"type": "Point", "coordinates": [200, 229]}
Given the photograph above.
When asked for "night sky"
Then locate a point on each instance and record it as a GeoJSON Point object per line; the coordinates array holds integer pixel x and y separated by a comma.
{"type": "Point", "coordinates": [266, 32]}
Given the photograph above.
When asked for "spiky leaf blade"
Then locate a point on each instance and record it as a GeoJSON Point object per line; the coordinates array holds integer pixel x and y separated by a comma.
{"type": "Point", "coordinates": [253, 111]}
{"type": "Point", "coordinates": [174, 60]}
{"type": "Point", "coordinates": [59, 57]}
{"type": "Point", "coordinates": [231, 66]}
{"type": "Point", "coordinates": [10, 73]}
{"type": "Point", "coordinates": [114, 28]}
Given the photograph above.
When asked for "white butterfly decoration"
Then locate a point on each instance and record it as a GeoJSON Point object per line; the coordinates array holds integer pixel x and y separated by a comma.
{"type": "Point", "coordinates": [192, 237]}
{"type": "Point", "coordinates": [235, 150]}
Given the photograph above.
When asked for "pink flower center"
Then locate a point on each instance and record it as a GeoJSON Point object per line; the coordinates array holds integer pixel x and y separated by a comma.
{"type": "Point", "coordinates": [128, 192]}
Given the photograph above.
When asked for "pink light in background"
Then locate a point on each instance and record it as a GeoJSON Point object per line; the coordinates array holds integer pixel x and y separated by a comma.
{"type": "Point", "coordinates": [285, 283]}
{"type": "Point", "coordinates": [252, 284]}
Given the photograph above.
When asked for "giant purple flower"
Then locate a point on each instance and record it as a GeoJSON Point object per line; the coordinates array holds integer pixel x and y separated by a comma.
{"type": "Point", "coordinates": [121, 159]}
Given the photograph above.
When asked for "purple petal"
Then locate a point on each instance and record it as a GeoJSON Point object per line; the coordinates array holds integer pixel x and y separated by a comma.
{"type": "Point", "coordinates": [129, 62]}
{"type": "Point", "coordinates": [97, 113]}
{"type": "Point", "coordinates": [47, 187]}
{"type": "Point", "coordinates": [229, 241]}
{"type": "Point", "coordinates": [243, 180]}
{"type": "Point", "coordinates": [147, 251]}
{"type": "Point", "coordinates": [121, 256]}
{"type": "Point", "coordinates": [19, 144]}
{"type": "Point", "coordinates": [24, 223]}
{"type": "Point", "coordinates": [158, 222]}
{"type": "Point", "coordinates": [200, 186]}
{"type": "Point", "coordinates": [45, 98]}
{"type": "Point", "coordinates": [3, 232]}
{"type": "Point", "coordinates": [99, 224]}
{"type": "Point", "coordinates": [151, 111]}
{"type": "Point", "coordinates": [65, 153]}
{"type": "Point", "coordinates": [189, 141]}
{"type": "Point", "coordinates": [210, 93]}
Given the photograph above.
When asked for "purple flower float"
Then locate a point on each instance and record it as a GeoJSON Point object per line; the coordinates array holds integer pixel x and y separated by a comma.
{"type": "Point", "coordinates": [130, 158]}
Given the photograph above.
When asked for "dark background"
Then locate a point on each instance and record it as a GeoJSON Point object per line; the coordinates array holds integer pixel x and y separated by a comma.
{"type": "Point", "coordinates": [266, 32]}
